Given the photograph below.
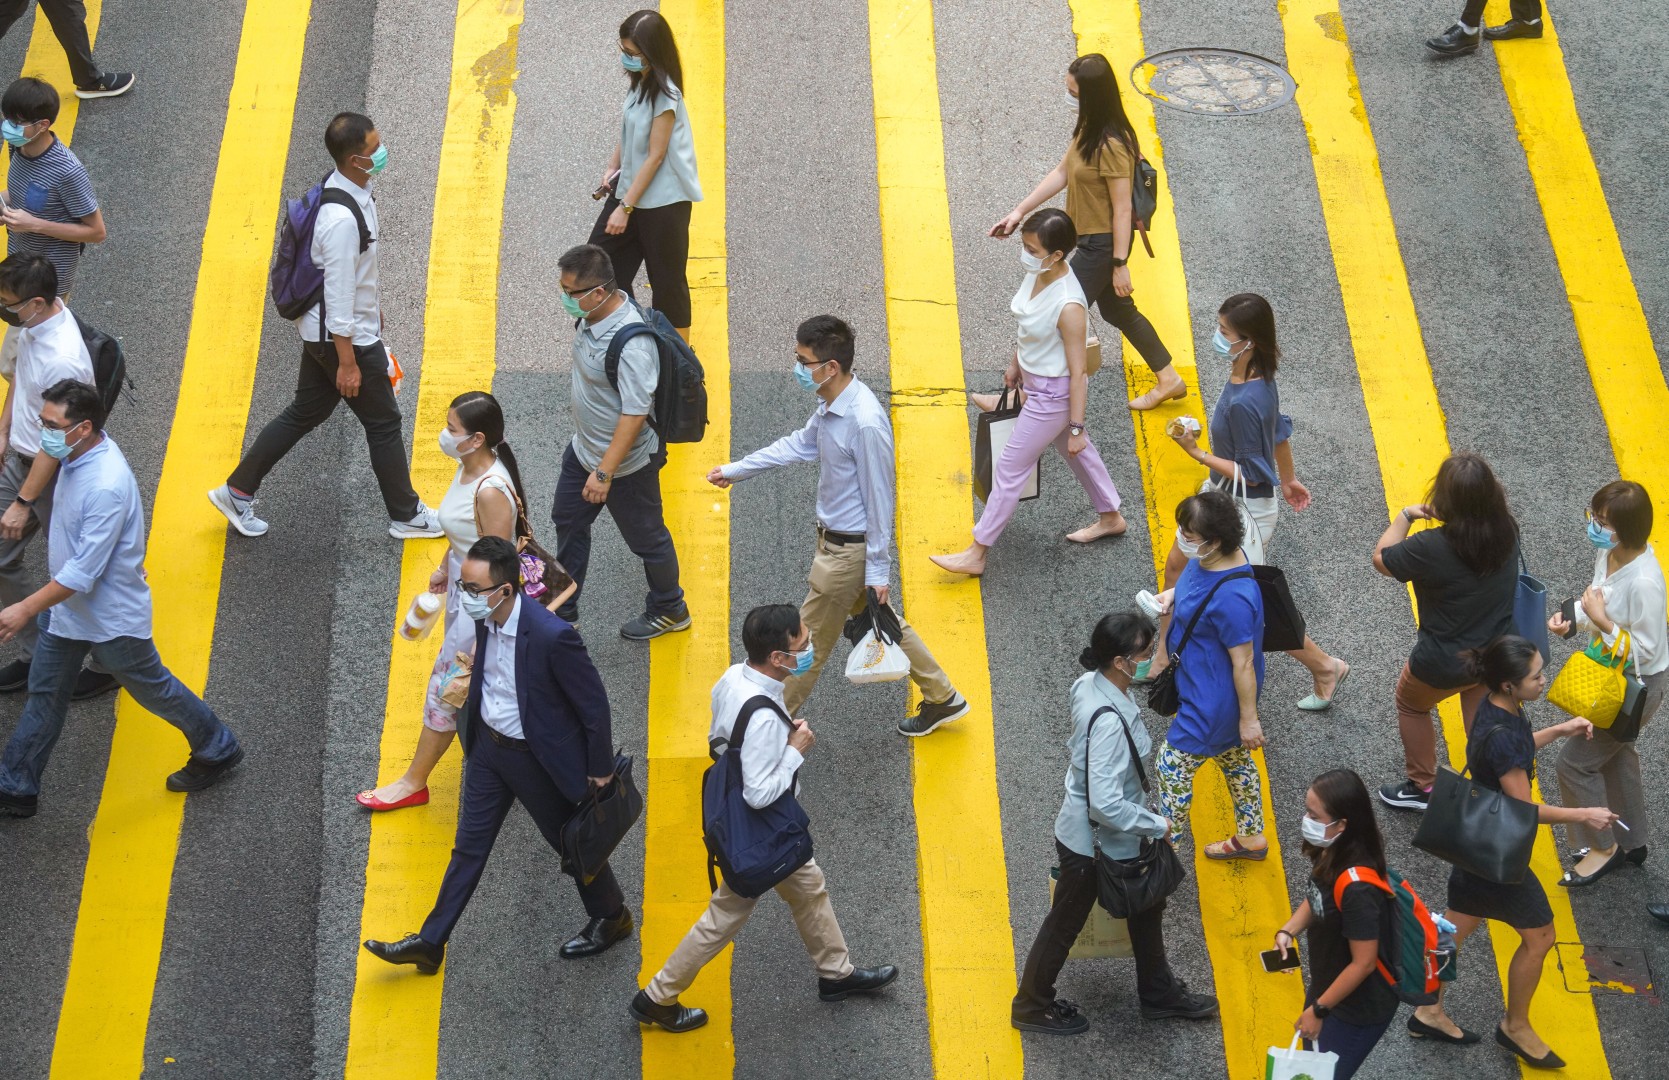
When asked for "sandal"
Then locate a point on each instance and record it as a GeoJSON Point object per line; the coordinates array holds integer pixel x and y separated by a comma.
{"type": "Point", "coordinates": [1232, 848]}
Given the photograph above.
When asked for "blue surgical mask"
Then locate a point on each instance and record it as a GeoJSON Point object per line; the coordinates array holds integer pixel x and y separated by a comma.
{"type": "Point", "coordinates": [802, 375]}
{"type": "Point", "coordinates": [802, 660]}
{"type": "Point", "coordinates": [12, 132]}
{"type": "Point", "coordinates": [1601, 537]}
{"type": "Point", "coordinates": [632, 63]}
{"type": "Point", "coordinates": [1222, 346]}
{"type": "Point", "coordinates": [55, 445]}
{"type": "Point", "coordinates": [476, 607]}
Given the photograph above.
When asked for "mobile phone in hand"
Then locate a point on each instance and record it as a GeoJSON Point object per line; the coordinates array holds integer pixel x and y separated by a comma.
{"type": "Point", "coordinates": [1568, 611]}
{"type": "Point", "coordinates": [1272, 959]}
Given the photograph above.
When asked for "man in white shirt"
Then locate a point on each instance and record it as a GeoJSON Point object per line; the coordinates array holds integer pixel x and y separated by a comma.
{"type": "Point", "coordinates": [50, 348]}
{"type": "Point", "coordinates": [777, 644]}
{"type": "Point", "coordinates": [342, 352]}
{"type": "Point", "coordinates": [849, 435]}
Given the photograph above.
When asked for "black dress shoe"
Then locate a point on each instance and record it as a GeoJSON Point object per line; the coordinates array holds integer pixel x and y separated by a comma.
{"type": "Point", "coordinates": [1573, 880]}
{"type": "Point", "coordinates": [1549, 1060]}
{"type": "Point", "coordinates": [1637, 855]}
{"type": "Point", "coordinates": [861, 981]}
{"type": "Point", "coordinates": [597, 936]}
{"type": "Point", "coordinates": [14, 677]}
{"type": "Point", "coordinates": [1436, 1034]}
{"type": "Point", "coordinates": [1660, 912]}
{"type": "Point", "coordinates": [1455, 41]}
{"type": "Point", "coordinates": [17, 805]}
{"type": "Point", "coordinates": [199, 774]}
{"type": "Point", "coordinates": [1514, 28]}
{"type": "Point", "coordinates": [410, 949]}
{"type": "Point", "coordinates": [674, 1018]}
{"type": "Point", "coordinates": [90, 684]}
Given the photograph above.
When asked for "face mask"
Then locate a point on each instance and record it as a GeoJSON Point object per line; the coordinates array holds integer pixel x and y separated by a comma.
{"type": "Point", "coordinates": [1071, 102]}
{"type": "Point", "coordinates": [1188, 548]}
{"type": "Point", "coordinates": [10, 317]}
{"type": "Point", "coordinates": [802, 660]}
{"type": "Point", "coordinates": [632, 63]}
{"type": "Point", "coordinates": [449, 443]}
{"type": "Point", "coordinates": [1032, 263]}
{"type": "Point", "coordinates": [802, 375]}
{"type": "Point", "coordinates": [1315, 832]}
{"type": "Point", "coordinates": [571, 305]}
{"type": "Point", "coordinates": [12, 132]}
{"type": "Point", "coordinates": [1601, 537]}
{"type": "Point", "coordinates": [55, 445]}
{"type": "Point", "coordinates": [379, 161]}
{"type": "Point", "coordinates": [476, 607]}
{"type": "Point", "coordinates": [1223, 347]}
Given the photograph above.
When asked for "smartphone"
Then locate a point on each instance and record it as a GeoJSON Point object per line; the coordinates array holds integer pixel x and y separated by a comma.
{"type": "Point", "coordinates": [1272, 959]}
{"type": "Point", "coordinates": [1568, 611]}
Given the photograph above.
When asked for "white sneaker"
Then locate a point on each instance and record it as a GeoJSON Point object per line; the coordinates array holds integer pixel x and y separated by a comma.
{"type": "Point", "coordinates": [238, 510]}
{"type": "Point", "coordinates": [425, 524]}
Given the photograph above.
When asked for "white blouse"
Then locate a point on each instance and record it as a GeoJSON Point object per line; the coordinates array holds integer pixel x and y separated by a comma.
{"type": "Point", "coordinates": [1041, 350]}
{"type": "Point", "coordinates": [457, 507]}
{"type": "Point", "coordinates": [1634, 600]}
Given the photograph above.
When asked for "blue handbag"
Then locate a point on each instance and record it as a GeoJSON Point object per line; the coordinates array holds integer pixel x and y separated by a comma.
{"type": "Point", "coordinates": [1530, 609]}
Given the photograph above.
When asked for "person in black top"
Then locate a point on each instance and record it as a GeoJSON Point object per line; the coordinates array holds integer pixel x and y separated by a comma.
{"type": "Point", "coordinates": [1464, 574]}
{"type": "Point", "coordinates": [1501, 752]}
{"type": "Point", "coordinates": [1348, 1004]}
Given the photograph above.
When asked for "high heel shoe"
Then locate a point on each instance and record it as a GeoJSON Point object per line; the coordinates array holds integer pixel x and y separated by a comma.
{"type": "Point", "coordinates": [1549, 1060]}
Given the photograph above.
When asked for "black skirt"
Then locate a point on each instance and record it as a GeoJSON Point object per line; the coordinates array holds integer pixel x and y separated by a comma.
{"type": "Point", "coordinates": [1523, 906]}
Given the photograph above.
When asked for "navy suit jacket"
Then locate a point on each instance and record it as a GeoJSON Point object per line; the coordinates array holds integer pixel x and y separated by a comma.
{"type": "Point", "coordinates": [564, 708]}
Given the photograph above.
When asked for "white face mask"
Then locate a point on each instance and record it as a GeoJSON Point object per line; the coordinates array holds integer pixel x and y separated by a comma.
{"type": "Point", "coordinates": [449, 443]}
{"type": "Point", "coordinates": [1189, 548]}
{"type": "Point", "coordinates": [1315, 832]}
{"type": "Point", "coordinates": [1071, 102]}
{"type": "Point", "coordinates": [1032, 263]}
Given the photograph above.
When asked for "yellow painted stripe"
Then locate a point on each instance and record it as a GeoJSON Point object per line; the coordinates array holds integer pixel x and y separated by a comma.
{"type": "Point", "coordinates": [1410, 435]}
{"type": "Point", "coordinates": [130, 861]}
{"type": "Point", "coordinates": [394, 1021]}
{"type": "Point", "coordinates": [1239, 901]}
{"type": "Point", "coordinates": [684, 666]}
{"type": "Point", "coordinates": [966, 938]}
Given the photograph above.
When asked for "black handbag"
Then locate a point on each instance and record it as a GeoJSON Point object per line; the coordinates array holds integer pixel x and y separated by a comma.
{"type": "Point", "coordinates": [599, 823]}
{"type": "Point", "coordinates": [1127, 887]}
{"type": "Point", "coordinates": [1283, 623]}
{"type": "Point", "coordinates": [1626, 727]}
{"type": "Point", "coordinates": [1163, 697]}
{"type": "Point", "coordinates": [1482, 830]}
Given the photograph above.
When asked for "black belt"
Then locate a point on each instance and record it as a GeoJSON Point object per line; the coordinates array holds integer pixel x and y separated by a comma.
{"type": "Point", "coordinates": [840, 539]}
{"type": "Point", "coordinates": [504, 740]}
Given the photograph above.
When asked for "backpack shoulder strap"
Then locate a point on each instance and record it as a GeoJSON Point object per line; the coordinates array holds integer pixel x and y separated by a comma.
{"type": "Point", "coordinates": [1354, 875]}
{"type": "Point", "coordinates": [617, 345]}
{"type": "Point", "coordinates": [338, 197]}
{"type": "Point", "coordinates": [752, 705]}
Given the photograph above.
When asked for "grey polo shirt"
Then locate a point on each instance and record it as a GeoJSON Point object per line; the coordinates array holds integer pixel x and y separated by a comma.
{"type": "Point", "coordinates": [597, 406]}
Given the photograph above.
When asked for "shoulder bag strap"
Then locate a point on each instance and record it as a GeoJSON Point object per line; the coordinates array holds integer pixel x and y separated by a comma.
{"type": "Point", "coordinates": [1205, 602]}
{"type": "Point", "coordinates": [1493, 731]}
{"type": "Point", "coordinates": [522, 526]}
{"type": "Point", "coordinates": [1130, 741]}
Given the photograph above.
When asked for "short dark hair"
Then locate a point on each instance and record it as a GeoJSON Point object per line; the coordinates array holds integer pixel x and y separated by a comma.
{"type": "Point", "coordinates": [346, 134]}
{"type": "Point", "coordinates": [589, 264]}
{"type": "Point", "coordinates": [829, 338]}
{"type": "Point", "coordinates": [500, 555]}
{"type": "Point", "coordinates": [80, 401]}
{"type": "Point", "coordinates": [1627, 508]}
{"type": "Point", "coordinates": [1212, 515]}
{"type": "Point", "coordinates": [28, 276]}
{"type": "Point", "coordinates": [769, 629]}
{"type": "Point", "coordinates": [30, 99]}
{"type": "Point", "coordinates": [1053, 229]}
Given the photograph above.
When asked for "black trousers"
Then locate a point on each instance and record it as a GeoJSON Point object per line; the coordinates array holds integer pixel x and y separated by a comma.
{"type": "Point", "coordinates": [659, 237]}
{"type": "Point", "coordinates": [1074, 897]}
{"type": "Point", "coordinates": [316, 398]}
{"type": "Point", "coordinates": [495, 777]}
{"type": "Point", "coordinates": [69, 25]}
{"type": "Point", "coordinates": [634, 502]}
{"type": "Point", "coordinates": [1093, 263]}
{"type": "Point", "coordinates": [1528, 10]}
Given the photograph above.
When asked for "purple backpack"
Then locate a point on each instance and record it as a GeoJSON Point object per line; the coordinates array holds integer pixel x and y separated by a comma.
{"type": "Point", "coordinates": [297, 285]}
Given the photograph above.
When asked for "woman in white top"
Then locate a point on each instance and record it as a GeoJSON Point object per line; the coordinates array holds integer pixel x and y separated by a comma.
{"type": "Point", "coordinates": [1627, 595]}
{"type": "Point", "coordinates": [1049, 358]}
{"type": "Point", "coordinates": [482, 501]}
{"type": "Point", "coordinates": [651, 177]}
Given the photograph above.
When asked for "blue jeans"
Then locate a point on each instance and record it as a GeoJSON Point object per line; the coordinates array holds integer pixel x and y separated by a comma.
{"type": "Point", "coordinates": [634, 501]}
{"type": "Point", "coordinates": [1352, 1042]}
{"type": "Point", "coordinates": [135, 664]}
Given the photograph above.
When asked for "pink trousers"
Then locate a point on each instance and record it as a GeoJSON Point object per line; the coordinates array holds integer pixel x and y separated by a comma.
{"type": "Point", "coordinates": [1043, 421]}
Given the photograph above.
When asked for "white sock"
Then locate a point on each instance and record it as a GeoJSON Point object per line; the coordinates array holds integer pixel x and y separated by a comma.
{"type": "Point", "coordinates": [1467, 29]}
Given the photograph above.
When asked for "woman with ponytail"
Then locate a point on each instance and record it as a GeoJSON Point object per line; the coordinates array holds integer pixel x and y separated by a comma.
{"type": "Point", "coordinates": [485, 499]}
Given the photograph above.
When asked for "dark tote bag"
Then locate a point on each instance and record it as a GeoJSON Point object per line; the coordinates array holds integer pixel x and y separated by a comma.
{"type": "Point", "coordinates": [599, 823]}
{"type": "Point", "coordinates": [992, 435]}
{"type": "Point", "coordinates": [1127, 887]}
{"type": "Point", "coordinates": [1283, 623]}
{"type": "Point", "coordinates": [1485, 832]}
{"type": "Point", "coordinates": [1530, 609]}
{"type": "Point", "coordinates": [1163, 697]}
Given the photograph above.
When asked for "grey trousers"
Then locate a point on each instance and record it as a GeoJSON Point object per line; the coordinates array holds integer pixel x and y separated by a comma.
{"type": "Point", "coordinates": [1604, 772]}
{"type": "Point", "coordinates": [17, 581]}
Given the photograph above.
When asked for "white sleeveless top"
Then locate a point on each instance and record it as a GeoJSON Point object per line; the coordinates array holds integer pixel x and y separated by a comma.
{"type": "Point", "coordinates": [457, 507]}
{"type": "Point", "coordinates": [1041, 350]}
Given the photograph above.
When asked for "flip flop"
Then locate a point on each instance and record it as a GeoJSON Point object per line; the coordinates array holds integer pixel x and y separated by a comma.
{"type": "Point", "coordinates": [1317, 703]}
{"type": "Point", "coordinates": [1234, 849]}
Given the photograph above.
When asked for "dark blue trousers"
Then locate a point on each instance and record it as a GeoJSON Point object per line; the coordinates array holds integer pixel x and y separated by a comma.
{"type": "Point", "coordinates": [1352, 1042]}
{"type": "Point", "coordinates": [495, 777]}
{"type": "Point", "coordinates": [634, 502]}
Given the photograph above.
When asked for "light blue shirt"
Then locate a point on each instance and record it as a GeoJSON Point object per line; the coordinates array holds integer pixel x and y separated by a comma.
{"type": "Point", "coordinates": [676, 180]}
{"type": "Point", "coordinates": [96, 546]}
{"type": "Point", "coordinates": [856, 488]}
{"type": "Point", "coordinates": [597, 405]}
{"type": "Point", "coordinates": [1120, 811]}
{"type": "Point", "coordinates": [499, 705]}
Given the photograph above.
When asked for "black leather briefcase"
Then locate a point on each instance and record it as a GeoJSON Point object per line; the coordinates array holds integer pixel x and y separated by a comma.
{"type": "Point", "coordinates": [598, 825]}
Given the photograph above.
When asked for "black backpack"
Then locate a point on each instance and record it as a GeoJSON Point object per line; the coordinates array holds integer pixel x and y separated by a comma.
{"type": "Point", "coordinates": [679, 412]}
{"type": "Point", "coordinates": [109, 363]}
{"type": "Point", "coordinates": [753, 849]}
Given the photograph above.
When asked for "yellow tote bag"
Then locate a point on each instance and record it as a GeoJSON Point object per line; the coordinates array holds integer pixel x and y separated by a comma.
{"type": "Point", "coordinates": [1587, 687]}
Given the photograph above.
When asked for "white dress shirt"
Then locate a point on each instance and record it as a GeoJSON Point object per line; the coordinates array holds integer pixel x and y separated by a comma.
{"type": "Point", "coordinates": [47, 352]}
{"type": "Point", "coordinates": [499, 707]}
{"type": "Point", "coordinates": [768, 762]}
{"type": "Point", "coordinates": [856, 489]}
{"type": "Point", "coordinates": [1634, 601]}
{"type": "Point", "coordinates": [350, 301]}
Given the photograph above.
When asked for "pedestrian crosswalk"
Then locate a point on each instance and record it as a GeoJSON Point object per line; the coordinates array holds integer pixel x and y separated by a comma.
{"type": "Point", "coordinates": [395, 1018]}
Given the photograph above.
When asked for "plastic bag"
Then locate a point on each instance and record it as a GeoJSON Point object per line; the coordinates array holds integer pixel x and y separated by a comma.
{"type": "Point", "coordinates": [875, 659]}
{"type": "Point", "coordinates": [1295, 1064]}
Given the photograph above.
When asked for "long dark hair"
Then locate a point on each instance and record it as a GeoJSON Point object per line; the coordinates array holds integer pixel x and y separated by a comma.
{"type": "Point", "coordinates": [653, 37]}
{"type": "Point", "coordinates": [1100, 108]}
{"type": "Point", "coordinates": [480, 414]}
{"type": "Point", "coordinates": [1505, 661]}
{"type": "Point", "coordinates": [1124, 633]}
{"type": "Point", "coordinates": [1344, 795]}
{"type": "Point", "coordinates": [1472, 505]}
{"type": "Point", "coordinates": [1253, 319]}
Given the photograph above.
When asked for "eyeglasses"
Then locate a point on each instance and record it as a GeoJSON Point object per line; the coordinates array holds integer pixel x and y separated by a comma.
{"type": "Point", "coordinates": [577, 293]}
{"type": "Point", "coordinates": [472, 590]}
{"type": "Point", "coordinates": [46, 425]}
{"type": "Point", "coordinates": [1591, 518]}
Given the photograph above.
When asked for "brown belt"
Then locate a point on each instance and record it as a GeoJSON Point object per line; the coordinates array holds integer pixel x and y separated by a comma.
{"type": "Point", "coordinates": [840, 539]}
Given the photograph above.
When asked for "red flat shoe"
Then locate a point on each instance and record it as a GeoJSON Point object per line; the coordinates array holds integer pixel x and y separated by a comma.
{"type": "Point", "coordinates": [420, 797]}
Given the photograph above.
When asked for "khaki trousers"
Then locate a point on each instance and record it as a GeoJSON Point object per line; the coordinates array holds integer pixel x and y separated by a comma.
{"type": "Point", "coordinates": [837, 592]}
{"type": "Point", "coordinates": [807, 895]}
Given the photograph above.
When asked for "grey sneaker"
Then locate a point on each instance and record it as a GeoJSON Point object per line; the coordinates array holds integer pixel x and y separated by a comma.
{"type": "Point", "coordinates": [110, 84]}
{"type": "Point", "coordinates": [932, 715]}
{"type": "Point", "coordinates": [647, 626]}
{"type": "Point", "coordinates": [425, 524]}
{"type": "Point", "coordinates": [238, 510]}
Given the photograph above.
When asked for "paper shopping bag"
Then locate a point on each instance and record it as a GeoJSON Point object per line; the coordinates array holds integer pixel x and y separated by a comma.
{"type": "Point", "coordinates": [1295, 1064]}
{"type": "Point", "coordinates": [1102, 935]}
{"type": "Point", "coordinates": [993, 433]}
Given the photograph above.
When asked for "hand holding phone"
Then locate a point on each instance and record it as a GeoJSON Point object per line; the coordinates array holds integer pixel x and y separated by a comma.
{"type": "Point", "coordinates": [1273, 961]}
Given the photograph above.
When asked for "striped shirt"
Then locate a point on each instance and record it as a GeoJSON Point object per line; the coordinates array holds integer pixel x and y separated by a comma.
{"type": "Point", "coordinates": [54, 186]}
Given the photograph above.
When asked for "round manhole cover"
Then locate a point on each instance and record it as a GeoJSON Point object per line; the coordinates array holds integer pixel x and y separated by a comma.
{"type": "Point", "coordinates": [1217, 82]}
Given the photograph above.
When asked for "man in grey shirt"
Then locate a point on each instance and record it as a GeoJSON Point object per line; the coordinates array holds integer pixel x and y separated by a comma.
{"type": "Point", "coordinates": [615, 457]}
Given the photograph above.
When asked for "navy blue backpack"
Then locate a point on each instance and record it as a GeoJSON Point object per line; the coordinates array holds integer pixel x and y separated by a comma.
{"type": "Point", "coordinates": [752, 849]}
{"type": "Point", "coordinates": [679, 411]}
{"type": "Point", "coordinates": [297, 285]}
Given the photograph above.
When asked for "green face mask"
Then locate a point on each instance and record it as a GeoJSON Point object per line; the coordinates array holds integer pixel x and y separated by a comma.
{"type": "Point", "coordinates": [572, 307]}
{"type": "Point", "coordinates": [378, 159]}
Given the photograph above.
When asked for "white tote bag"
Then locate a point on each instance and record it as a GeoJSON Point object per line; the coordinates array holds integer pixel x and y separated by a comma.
{"type": "Point", "coordinates": [875, 659]}
{"type": "Point", "coordinates": [1001, 431]}
{"type": "Point", "coordinates": [1253, 544]}
{"type": "Point", "coordinates": [1295, 1064]}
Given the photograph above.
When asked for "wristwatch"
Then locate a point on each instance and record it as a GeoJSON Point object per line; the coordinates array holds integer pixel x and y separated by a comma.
{"type": "Point", "coordinates": [28, 503]}
{"type": "Point", "coordinates": [1075, 429]}
{"type": "Point", "coordinates": [628, 208]}
{"type": "Point", "coordinates": [602, 476]}
{"type": "Point", "coordinates": [1120, 262]}
{"type": "Point", "coordinates": [1321, 1011]}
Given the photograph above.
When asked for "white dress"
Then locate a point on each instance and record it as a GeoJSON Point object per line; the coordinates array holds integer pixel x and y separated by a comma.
{"type": "Point", "coordinates": [457, 519]}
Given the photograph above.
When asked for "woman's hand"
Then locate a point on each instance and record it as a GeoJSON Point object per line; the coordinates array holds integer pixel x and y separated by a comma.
{"type": "Point", "coordinates": [437, 581]}
{"type": "Point", "coordinates": [1579, 725]}
{"type": "Point", "coordinates": [1251, 733]}
{"type": "Point", "coordinates": [1558, 625]}
{"type": "Point", "coordinates": [617, 221]}
{"type": "Point", "coordinates": [1297, 495]}
{"type": "Point", "coordinates": [1284, 940]}
{"type": "Point", "coordinates": [1011, 375]}
{"type": "Point", "coordinates": [1596, 817]}
{"type": "Point", "coordinates": [1308, 1025]}
{"type": "Point", "coordinates": [1005, 228]}
{"type": "Point", "coordinates": [1075, 444]}
{"type": "Point", "coordinates": [1419, 511]}
{"type": "Point", "coordinates": [1185, 438]}
{"type": "Point", "coordinates": [1121, 281]}
{"type": "Point", "coordinates": [1593, 605]}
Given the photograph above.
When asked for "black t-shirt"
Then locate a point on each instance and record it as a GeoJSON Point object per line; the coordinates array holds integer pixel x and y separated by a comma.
{"type": "Point", "coordinates": [1492, 755]}
{"type": "Point", "coordinates": [1367, 916]}
{"type": "Point", "coordinates": [1459, 609]}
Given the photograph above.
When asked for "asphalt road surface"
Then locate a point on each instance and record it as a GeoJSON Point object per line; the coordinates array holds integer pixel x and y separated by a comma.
{"type": "Point", "coordinates": [251, 967]}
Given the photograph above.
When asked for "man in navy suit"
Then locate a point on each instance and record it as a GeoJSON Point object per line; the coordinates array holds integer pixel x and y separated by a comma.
{"type": "Point", "coordinates": [535, 730]}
